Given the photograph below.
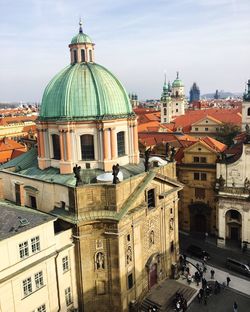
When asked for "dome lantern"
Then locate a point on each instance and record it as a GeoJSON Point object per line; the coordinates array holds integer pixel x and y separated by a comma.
{"type": "Point", "coordinates": [81, 48]}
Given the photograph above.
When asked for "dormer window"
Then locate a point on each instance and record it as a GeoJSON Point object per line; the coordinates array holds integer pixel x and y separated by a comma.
{"type": "Point", "coordinates": [83, 55]}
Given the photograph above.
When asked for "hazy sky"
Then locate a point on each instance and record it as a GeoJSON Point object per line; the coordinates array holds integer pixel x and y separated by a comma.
{"type": "Point", "coordinates": [207, 41]}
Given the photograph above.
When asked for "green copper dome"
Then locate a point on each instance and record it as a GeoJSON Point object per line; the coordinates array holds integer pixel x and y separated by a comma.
{"type": "Point", "coordinates": [177, 82]}
{"type": "Point", "coordinates": [84, 91]}
{"type": "Point", "coordinates": [81, 38]}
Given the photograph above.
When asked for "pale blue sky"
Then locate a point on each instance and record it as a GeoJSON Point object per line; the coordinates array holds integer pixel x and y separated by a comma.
{"type": "Point", "coordinates": [208, 41]}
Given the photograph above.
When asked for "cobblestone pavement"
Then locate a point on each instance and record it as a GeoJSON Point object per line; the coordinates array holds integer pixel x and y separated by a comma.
{"type": "Point", "coordinates": [222, 302]}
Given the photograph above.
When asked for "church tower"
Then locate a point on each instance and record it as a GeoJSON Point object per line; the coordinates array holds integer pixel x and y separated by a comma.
{"type": "Point", "coordinates": [166, 105]}
{"type": "Point", "coordinates": [178, 97]}
{"type": "Point", "coordinates": [246, 107]}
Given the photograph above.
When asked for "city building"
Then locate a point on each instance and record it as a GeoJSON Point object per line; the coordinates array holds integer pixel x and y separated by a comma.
{"type": "Point", "coordinates": [37, 267]}
{"type": "Point", "coordinates": [196, 169]}
{"type": "Point", "coordinates": [194, 93]}
{"type": "Point", "coordinates": [173, 100]}
{"type": "Point", "coordinates": [123, 210]}
{"type": "Point", "coordinates": [233, 186]}
{"type": "Point", "coordinates": [10, 149]}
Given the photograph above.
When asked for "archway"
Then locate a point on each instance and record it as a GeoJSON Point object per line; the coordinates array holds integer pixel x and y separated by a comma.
{"type": "Point", "coordinates": [152, 266]}
{"type": "Point", "coordinates": [233, 221]}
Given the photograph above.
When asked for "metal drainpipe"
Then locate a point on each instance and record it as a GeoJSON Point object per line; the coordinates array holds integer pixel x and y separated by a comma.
{"type": "Point", "coordinates": [57, 282]}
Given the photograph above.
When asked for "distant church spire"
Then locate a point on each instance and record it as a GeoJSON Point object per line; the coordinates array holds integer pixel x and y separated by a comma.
{"type": "Point", "coordinates": [177, 75]}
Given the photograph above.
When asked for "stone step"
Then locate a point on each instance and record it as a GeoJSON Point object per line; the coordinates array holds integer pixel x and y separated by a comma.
{"type": "Point", "coordinates": [147, 303]}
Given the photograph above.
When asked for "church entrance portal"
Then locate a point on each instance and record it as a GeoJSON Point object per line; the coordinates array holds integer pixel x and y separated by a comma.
{"type": "Point", "coordinates": [233, 226]}
{"type": "Point", "coordinates": [153, 275]}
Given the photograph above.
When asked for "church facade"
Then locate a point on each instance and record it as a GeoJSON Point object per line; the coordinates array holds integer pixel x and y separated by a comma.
{"type": "Point", "coordinates": [123, 210]}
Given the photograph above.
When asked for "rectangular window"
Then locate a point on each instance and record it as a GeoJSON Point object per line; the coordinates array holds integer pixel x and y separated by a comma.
{"type": "Point", "coordinates": [177, 110]}
{"type": "Point", "coordinates": [65, 264]}
{"type": "Point", "coordinates": [130, 281]}
{"type": "Point", "coordinates": [196, 159]}
{"type": "Point", "coordinates": [35, 244]}
{"type": "Point", "coordinates": [83, 55]}
{"type": "Point", "coordinates": [39, 280]}
{"type": "Point", "coordinates": [206, 129]}
{"type": "Point", "coordinates": [196, 129]}
{"type": "Point", "coordinates": [23, 250]}
{"type": "Point", "coordinates": [203, 176]}
{"type": "Point", "coordinates": [68, 296]}
{"type": "Point", "coordinates": [27, 287]}
{"type": "Point", "coordinates": [75, 56]}
{"type": "Point", "coordinates": [196, 176]}
{"type": "Point", "coordinates": [151, 198]}
{"type": "Point", "coordinates": [42, 308]}
{"type": "Point", "coordinates": [121, 143]}
{"type": "Point", "coordinates": [200, 193]}
{"type": "Point", "coordinates": [200, 176]}
{"type": "Point", "coordinates": [203, 159]}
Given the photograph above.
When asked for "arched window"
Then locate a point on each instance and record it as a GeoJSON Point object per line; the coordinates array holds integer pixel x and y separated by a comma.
{"type": "Point", "coordinates": [176, 93]}
{"type": "Point", "coordinates": [248, 112]}
{"type": "Point", "coordinates": [165, 111]}
{"type": "Point", "coordinates": [121, 143]}
{"type": "Point", "coordinates": [56, 146]}
{"type": "Point", "coordinates": [75, 56]}
{"type": "Point", "coordinates": [90, 55]}
{"type": "Point", "coordinates": [87, 147]}
{"type": "Point", "coordinates": [83, 55]}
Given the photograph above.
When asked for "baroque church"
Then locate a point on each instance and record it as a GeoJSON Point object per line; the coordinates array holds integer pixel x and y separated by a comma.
{"type": "Point", "coordinates": [173, 100]}
{"type": "Point", "coordinates": [86, 171]}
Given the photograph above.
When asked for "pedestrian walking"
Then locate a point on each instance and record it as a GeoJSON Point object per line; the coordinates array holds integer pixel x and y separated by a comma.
{"type": "Point", "coordinates": [199, 297]}
{"type": "Point", "coordinates": [235, 306]}
{"type": "Point", "coordinates": [228, 280]}
{"type": "Point", "coordinates": [184, 305]}
{"type": "Point", "coordinates": [205, 299]}
{"type": "Point", "coordinates": [206, 236]}
{"type": "Point", "coordinates": [212, 274]}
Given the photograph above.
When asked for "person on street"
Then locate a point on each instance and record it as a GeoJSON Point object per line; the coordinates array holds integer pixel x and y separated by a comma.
{"type": "Point", "coordinates": [212, 274]}
{"type": "Point", "coordinates": [228, 280]}
{"type": "Point", "coordinates": [235, 307]}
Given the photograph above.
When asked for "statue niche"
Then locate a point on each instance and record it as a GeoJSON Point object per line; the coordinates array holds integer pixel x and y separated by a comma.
{"type": "Point", "coordinates": [100, 261]}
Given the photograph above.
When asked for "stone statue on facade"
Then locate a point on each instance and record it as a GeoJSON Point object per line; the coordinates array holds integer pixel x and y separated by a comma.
{"type": "Point", "coordinates": [167, 150]}
{"type": "Point", "coordinates": [100, 264]}
{"type": "Point", "coordinates": [77, 171]}
{"type": "Point", "coordinates": [221, 181]}
{"type": "Point", "coordinates": [115, 172]}
{"type": "Point", "coordinates": [146, 161]}
{"type": "Point", "coordinates": [172, 155]}
{"type": "Point", "coordinates": [246, 184]}
{"type": "Point", "coordinates": [129, 254]}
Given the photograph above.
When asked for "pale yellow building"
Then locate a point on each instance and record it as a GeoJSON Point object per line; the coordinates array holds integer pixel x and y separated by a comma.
{"type": "Point", "coordinates": [196, 169]}
{"type": "Point", "coordinates": [37, 267]}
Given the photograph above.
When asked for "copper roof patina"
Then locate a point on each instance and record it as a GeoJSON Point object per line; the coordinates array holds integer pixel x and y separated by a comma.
{"type": "Point", "coordinates": [85, 91]}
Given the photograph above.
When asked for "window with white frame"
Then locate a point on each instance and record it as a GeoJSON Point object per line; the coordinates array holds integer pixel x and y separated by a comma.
{"type": "Point", "coordinates": [39, 280]}
{"type": "Point", "coordinates": [65, 263]}
{"type": "Point", "coordinates": [35, 244]}
{"type": "Point", "coordinates": [68, 296]}
{"type": "Point", "coordinates": [24, 249]}
{"type": "Point", "coordinates": [27, 286]}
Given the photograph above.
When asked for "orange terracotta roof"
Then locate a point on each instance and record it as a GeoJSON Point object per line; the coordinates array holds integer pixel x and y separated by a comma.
{"type": "Point", "coordinates": [191, 116]}
{"type": "Point", "coordinates": [8, 144]}
{"type": "Point", "coordinates": [214, 144]}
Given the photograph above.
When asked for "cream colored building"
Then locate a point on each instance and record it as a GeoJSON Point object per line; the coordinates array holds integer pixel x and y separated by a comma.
{"type": "Point", "coordinates": [37, 267]}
